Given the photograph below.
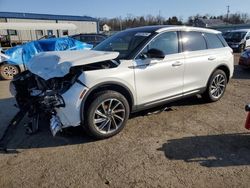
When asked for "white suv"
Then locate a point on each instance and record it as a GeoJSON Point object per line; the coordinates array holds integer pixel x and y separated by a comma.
{"type": "Point", "coordinates": [133, 70]}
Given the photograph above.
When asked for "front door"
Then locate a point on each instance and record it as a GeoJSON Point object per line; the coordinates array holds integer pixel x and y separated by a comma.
{"type": "Point", "coordinates": [157, 80]}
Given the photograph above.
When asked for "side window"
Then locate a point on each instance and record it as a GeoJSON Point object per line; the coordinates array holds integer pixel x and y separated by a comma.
{"type": "Point", "coordinates": [193, 41]}
{"type": "Point", "coordinates": [77, 37]}
{"type": "Point", "coordinates": [248, 36]}
{"type": "Point", "coordinates": [222, 40]}
{"type": "Point", "coordinates": [65, 32]}
{"type": "Point", "coordinates": [213, 41]}
{"type": "Point", "coordinates": [166, 42]}
{"type": "Point", "coordinates": [12, 32]}
{"type": "Point", "coordinates": [49, 32]}
{"type": "Point", "coordinates": [99, 38]}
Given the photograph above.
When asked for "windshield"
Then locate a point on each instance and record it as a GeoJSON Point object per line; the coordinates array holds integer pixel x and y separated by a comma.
{"type": "Point", "coordinates": [124, 42]}
{"type": "Point", "coordinates": [236, 36]}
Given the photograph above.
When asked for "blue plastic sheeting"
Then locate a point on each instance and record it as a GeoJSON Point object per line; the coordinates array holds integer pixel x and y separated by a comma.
{"type": "Point", "coordinates": [23, 54]}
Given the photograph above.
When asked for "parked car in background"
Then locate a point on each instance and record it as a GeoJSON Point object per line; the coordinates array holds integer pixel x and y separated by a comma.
{"type": "Point", "coordinates": [244, 60]}
{"type": "Point", "coordinates": [247, 125]}
{"type": "Point", "coordinates": [19, 56]}
{"type": "Point", "coordinates": [133, 70]}
{"type": "Point", "coordinates": [93, 39]}
{"type": "Point", "coordinates": [225, 34]}
{"type": "Point", "coordinates": [238, 39]}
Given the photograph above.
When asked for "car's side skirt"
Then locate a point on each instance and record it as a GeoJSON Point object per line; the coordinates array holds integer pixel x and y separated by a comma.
{"type": "Point", "coordinates": [159, 102]}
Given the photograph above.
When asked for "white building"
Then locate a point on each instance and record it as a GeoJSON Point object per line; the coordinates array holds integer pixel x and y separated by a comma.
{"type": "Point", "coordinates": [106, 28]}
{"type": "Point", "coordinates": [84, 24]}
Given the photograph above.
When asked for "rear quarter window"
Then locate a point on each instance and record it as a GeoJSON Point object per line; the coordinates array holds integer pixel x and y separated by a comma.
{"type": "Point", "coordinates": [213, 41]}
{"type": "Point", "coordinates": [222, 39]}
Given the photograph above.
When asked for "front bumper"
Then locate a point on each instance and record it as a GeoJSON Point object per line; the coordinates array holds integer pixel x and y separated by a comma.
{"type": "Point", "coordinates": [70, 115]}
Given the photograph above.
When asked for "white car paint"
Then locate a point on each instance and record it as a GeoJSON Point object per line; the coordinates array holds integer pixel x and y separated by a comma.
{"type": "Point", "coordinates": [58, 63]}
{"type": "Point", "coordinates": [148, 80]}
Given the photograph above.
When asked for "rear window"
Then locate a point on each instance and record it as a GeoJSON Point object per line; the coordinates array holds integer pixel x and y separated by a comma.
{"type": "Point", "coordinates": [193, 41]}
{"type": "Point", "coordinates": [213, 41]}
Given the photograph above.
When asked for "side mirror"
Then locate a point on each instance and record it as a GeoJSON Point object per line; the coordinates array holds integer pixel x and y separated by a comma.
{"type": "Point", "coordinates": [155, 53]}
{"type": "Point", "coordinates": [248, 37]}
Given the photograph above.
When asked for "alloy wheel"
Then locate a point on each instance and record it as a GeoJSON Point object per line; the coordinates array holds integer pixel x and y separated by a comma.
{"type": "Point", "coordinates": [9, 71]}
{"type": "Point", "coordinates": [109, 116]}
{"type": "Point", "coordinates": [218, 86]}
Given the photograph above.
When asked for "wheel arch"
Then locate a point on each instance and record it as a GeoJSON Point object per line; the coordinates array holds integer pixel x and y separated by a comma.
{"type": "Point", "coordinates": [114, 86]}
{"type": "Point", "coordinates": [222, 67]}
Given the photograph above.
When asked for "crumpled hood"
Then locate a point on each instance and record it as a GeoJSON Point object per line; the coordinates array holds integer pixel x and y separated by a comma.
{"type": "Point", "coordinates": [57, 64]}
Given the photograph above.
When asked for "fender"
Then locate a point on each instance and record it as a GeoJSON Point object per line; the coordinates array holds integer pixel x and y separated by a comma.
{"type": "Point", "coordinates": [100, 85]}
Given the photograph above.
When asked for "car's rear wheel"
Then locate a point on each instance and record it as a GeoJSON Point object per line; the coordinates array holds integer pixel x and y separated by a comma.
{"type": "Point", "coordinates": [7, 71]}
{"type": "Point", "coordinates": [107, 114]}
{"type": "Point", "coordinates": [216, 86]}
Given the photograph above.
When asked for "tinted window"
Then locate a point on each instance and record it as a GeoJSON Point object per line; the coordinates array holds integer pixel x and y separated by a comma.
{"type": "Point", "coordinates": [213, 41]}
{"type": "Point", "coordinates": [124, 42]}
{"type": "Point", "coordinates": [99, 38]}
{"type": "Point", "coordinates": [76, 37]}
{"type": "Point", "coordinates": [236, 36]}
{"type": "Point", "coordinates": [193, 41]}
{"type": "Point", "coordinates": [88, 38]}
{"type": "Point", "coordinates": [222, 40]}
{"type": "Point", "coordinates": [166, 42]}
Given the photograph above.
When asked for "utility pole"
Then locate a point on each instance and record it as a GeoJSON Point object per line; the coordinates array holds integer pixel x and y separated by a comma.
{"type": "Point", "coordinates": [228, 11]}
{"type": "Point", "coordinates": [160, 18]}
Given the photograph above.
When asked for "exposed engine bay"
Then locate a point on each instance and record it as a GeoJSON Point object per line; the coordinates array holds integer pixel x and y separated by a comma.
{"type": "Point", "coordinates": [37, 96]}
{"type": "Point", "coordinates": [40, 92]}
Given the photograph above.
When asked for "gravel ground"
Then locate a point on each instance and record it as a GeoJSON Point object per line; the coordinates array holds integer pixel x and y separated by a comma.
{"type": "Point", "coordinates": [193, 144]}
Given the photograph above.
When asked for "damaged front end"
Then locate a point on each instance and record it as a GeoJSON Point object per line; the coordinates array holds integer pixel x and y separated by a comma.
{"type": "Point", "coordinates": [53, 89]}
{"type": "Point", "coordinates": [38, 97]}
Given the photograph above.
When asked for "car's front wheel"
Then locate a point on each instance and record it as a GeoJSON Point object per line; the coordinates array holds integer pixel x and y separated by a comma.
{"type": "Point", "coordinates": [7, 71]}
{"type": "Point", "coordinates": [107, 114]}
{"type": "Point", "coordinates": [216, 86]}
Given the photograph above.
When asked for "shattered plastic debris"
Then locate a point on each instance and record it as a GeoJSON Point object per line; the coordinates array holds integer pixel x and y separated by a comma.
{"type": "Point", "coordinates": [55, 125]}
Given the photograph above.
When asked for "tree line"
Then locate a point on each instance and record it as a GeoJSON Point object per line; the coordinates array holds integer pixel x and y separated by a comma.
{"type": "Point", "coordinates": [130, 21]}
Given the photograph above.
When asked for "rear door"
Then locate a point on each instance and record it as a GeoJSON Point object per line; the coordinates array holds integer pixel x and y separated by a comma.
{"type": "Point", "coordinates": [203, 52]}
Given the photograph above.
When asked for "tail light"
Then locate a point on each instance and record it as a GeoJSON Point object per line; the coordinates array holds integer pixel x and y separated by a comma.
{"type": "Point", "coordinates": [248, 117]}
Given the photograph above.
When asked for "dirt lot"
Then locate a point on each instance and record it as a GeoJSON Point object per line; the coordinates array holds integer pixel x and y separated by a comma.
{"type": "Point", "coordinates": [193, 145]}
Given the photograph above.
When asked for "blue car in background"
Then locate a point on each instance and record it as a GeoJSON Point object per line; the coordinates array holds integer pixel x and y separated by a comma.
{"type": "Point", "coordinates": [20, 55]}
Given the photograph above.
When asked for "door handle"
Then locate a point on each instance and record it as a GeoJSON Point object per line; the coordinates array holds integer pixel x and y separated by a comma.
{"type": "Point", "coordinates": [211, 58]}
{"type": "Point", "coordinates": [177, 64]}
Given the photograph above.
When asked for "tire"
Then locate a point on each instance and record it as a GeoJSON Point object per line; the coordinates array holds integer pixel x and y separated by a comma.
{"type": "Point", "coordinates": [216, 86]}
{"type": "Point", "coordinates": [107, 114]}
{"type": "Point", "coordinates": [7, 71]}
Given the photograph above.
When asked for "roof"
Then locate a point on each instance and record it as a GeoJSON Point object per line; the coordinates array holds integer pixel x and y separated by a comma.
{"type": "Point", "coordinates": [187, 28]}
{"type": "Point", "coordinates": [19, 15]}
{"type": "Point", "coordinates": [149, 29]}
{"type": "Point", "coordinates": [162, 28]}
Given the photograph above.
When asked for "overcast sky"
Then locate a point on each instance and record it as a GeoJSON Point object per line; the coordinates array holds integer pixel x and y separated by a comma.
{"type": "Point", "coordinates": [116, 8]}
